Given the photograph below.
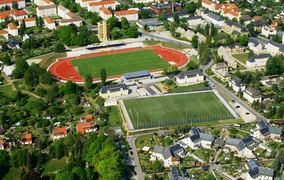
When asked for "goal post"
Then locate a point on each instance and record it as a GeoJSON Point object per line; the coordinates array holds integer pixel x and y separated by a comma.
{"type": "Point", "coordinates": [77, 69]}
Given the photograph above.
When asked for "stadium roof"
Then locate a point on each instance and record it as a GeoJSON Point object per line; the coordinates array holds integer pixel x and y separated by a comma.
{"type": "Point", "coordinates": [136, 74]}
{"type": "Point", "coordinates": [103, 46]}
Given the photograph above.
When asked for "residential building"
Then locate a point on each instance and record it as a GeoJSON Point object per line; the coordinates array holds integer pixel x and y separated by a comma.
{"type": "Point", "coordinates": [258, 24]}
{"type": "Point", "coordinates": [159, 8]}
{"type": "Point", "coordinates": [5, 34]}
{"type": "Point", "coordinates": [189, 34]}
{"type": "Point", "coordinates": [201, 12]}
{"type": "Point", "coordinates": [196, 140]}
{"type": "Point", "coordinates": [170, 16]}
{"type": "Point", "coordinates": [2, 144]}
{"type": "Point", "coordinates": [103, 32]}
{"type": "Point", "coordinates": [62, 11]}
{"type": "Point", "coordinates": [260, 173]}
{"type": "Point", "coordinates": [177, 174]}
{"type": "Point", "coordinates": [84, 3]}
{"type": "Point", "coordinates": [268, 31]}
{"type": "Point", "coordinates": [130, 15]}
{"type": "Point", "coordinates": [71, 18]}
{"type": "Point", "coordinates": [219, 66]}
{"type": "Point", "coordinates": [201, 37]}
{"type": "Point", "coordinates": [254, 45]}
{"type": "Point", "coordinates": [3, 17]}
{"type": "Point", "coordinates": [95, 6]}
{"type": "Point", "coordinates": [236, 48]}
{"type": "Point", "coordinates": [247, 19]}
{"type": "Point", "coordinates": [86, 118]}
{"type": "Point", "coordinates": [223, 75]}
{"type": "Point", "coordinates": [166, 156]}
{"type": "Point", "coordinates": [5, 14]}
{"type": "Point", "coordinates": [238, 147]}
{"type": "Point", "coordinates": [105, 13]}
{"type": "Point", "coordinates": [252, 95]}
{"type": "Point", "coordinates": [86, 127]}
{"type": "Point", "coordinates": [49, 23]}
{"type": "Point", "coordinates": [208, 5]}
{"type": "Point", "coordinates": [258, 60]}
{"type": "Point", "coordinates": [214, 19]}
{"type": "Point", "coordinates": [114, 91]}
{"type": "Point", "coordinates": [59, 133]}
{"type": "Point", "coordinates": [190, 77]}
{"type": "Point", "coordinates": [21, 3]}
{"type": "Point", "coordinates": [274, 24]}
{"type": "Point", "coordinates": [231, 27]}
{"type": "Point", "coordinates": [274, 48]}
{"type": "Point", "coordinates": [26, 37]}
{"type": "Point", "coordinates": [250, 142]}
{"type": "Point", "coordinates": [43, 11]}
{"type": "Point", "coordinates": [21, 14]}
{"type": "Point", "coordinates": [47, 3]}
{"type": "Point", "coordinates": [195, 20]}
{"type": "Point", "coordinates": [26, 139]}
{"type": "Point", "coordinates": [266, 132]}
{"type": "Point", "coordinates": [29, 22]}
{"type": "Point", "coordinates": [226, 54]}
{"type": "Point", "coordinates": [255, 18]}
{"type": "Point", "coordinates": [237, 84]}
{"type": "Point", "coordinates": [12, 29]}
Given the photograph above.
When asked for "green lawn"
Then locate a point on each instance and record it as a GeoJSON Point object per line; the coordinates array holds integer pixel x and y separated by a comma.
{"type": "Point", "coordinates": [171, 110]}
{"type": "Point", "coordinates": [241, 57]}
{"type": "Point", "coordinates": [7, 89]}
{"type": "Point", "coordinates": [53, 165]}
{"type": "Point", "coordinates": [14, 173]}
{"type": "Point", "coordinates": [166, 44]}
{"type": "Point", "coordinates": [117, 64]}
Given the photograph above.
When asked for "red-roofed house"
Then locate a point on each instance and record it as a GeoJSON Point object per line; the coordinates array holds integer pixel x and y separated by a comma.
{"type": "Point", "coordinates": [231, 14]}
{"type": "Point", "coordinates": [274, 24]}
{"type": "Point", "coordinates": [208, 4]}
{"type": "Point", "coordinates": [71, 18]}
{"type": "Point", "coordinates": [49, 23]}
{"type": "Point", "coordinates": [95, 6]}
{"type": "Point", "coordinates": [26, 139]}
{"type": "Point", "coordinates": [2, 17]}
{"type": "Point", "coordinates": [255, 18]}
{"type": "Point", "coordinates": [130, 15]}
{"type": "Point", "coordinates": [105, 13]}
{"type": "Point", "coordinates": [21, 3]}
{"type": "Point", "coordinates": [47, 2]}
{"type": "Point", "coordinates": [86, 118]}
{"type": "Point", "coordinates": [86, 127]}
{"type": "Point", "coordinates": [62, 11]}
{"type": "Point", "coordinates": [59, 133]}
{"type": "Point", "coordinates": [3, 14]}
{"type": "Point", "coordinates": [43, 11]}
{"type": "Point", "coordinates": [29, 22]}
{"type": "Point", "coordinates": [5, 34]}
{"type": "Point", "coordinates": [84, 3]}
{"type": "Point", "coordinates": [12, 29]}
{"type": "Point", "coordinates": [2, 144]}
{"type": "Point", "coordinates": [22, 14]}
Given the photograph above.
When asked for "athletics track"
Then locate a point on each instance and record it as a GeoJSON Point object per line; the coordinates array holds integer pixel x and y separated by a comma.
{"type": "Point", "coordinates": [63, 70]}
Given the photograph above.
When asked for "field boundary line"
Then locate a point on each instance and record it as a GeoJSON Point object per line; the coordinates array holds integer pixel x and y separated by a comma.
{"type": "Point", "coordinates": [176, 107]}
{"type": "Point", "coordinates": [90, 67]}
{"type": "Point", "coordinates": [205, 106]}
{"type": "Point", "coordinates": [119, 62]}
{"type": "Point", "coordinates": [126, 115]}
{"type": "Point", "coordinates": [148, 111]}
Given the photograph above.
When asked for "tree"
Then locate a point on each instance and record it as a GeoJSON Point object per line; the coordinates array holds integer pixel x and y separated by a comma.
{"type": "Point", "coordinates": [204, 166]}
{"type": "Point", "coordinates": [40, 23]}
{"type": "Point", "coordinates": [103, 76]}
{"type": "Point", "coordinates": [166, 25]}
{"type": "Point", "coordinates": [207, 29]}
{"type": "Point", "coordinates": [242, 21]}
{"type": "Point", "coordinates": [165, 71]}
{"type": "Point", "coordinates": [113, 22]}
{"type": "Point", "coordinates": [21, 67]}
{"type": "Point", "coordinates": [274, 87]}
{"type": "Point", "coordinates": [22, 28]}
{"type": "Point", "coordinates": [215, 41]}
{"type": "Point", "coordinates": [251, 53]}
{"type": "Point", "coordinates": [124, 23]}
{"type": "Point", "coordinates": [210, 176]}
{"type": "Point", "coordinates": [7, 60]}
{"type": "Point", "coordinates": [176, 18]}
{"type": "Point", "coordinates": [59, 47]}
{"type": "Point", "coordinates": [190, 7]}
{"type": "Point", "coordinates": [4, 159]}
{"type": "Point", "coordinates": [70, 88]}
{"type": "Point", "coordinates": [194, 41]}
{"type": "Point", "coordinates": [158, 166]}
{"type": "Point", "coordinates": [250, 27]}
{"type": "Point", "coordinates": [173, 69]}
{"type": "Point", "coordinates": [67, 34]}
{"type": "Point", "coordinates": [15, 5]}
{"type": "Point", "coordinates": [178, 129]}
{"type": "Point", "coordinates": [65, 175]}
{"type": "Point", "coordinates": [146, 27]}
{"type": "Point", "coordinates": [235, 20]}
{"type": "Point", "coordinates": [132, 32]}
{"type": "Point", "coordinates": [88, 81]}
{"type": "Point", "coordinates": [244, 40]}
{"type": "Point", "coordinates": [191, 65]}
{"type": "Point", "coordinates": [144, 14]}
{"type": "Point", "coordinates": [273, 66]}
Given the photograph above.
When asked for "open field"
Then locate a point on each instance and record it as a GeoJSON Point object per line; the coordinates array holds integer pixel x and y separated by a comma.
{"type": "Point", "coordinates": [53, 165]}
{"type": "Point", "coordinates": [173, 110]}
{"type": "Point", "coordinates": [119, 63]}
{"type": "Point", "coordinates": [241, 57]}
{"type": "Point", "coordinates": [7, 89]}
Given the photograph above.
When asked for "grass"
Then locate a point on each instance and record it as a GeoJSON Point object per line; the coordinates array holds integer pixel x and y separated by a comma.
{"type": "Point", "coordinates": [219, 80]}
{"type": "Point", "coordinates": [53, 165]}
{"type": "Point", "coordinates": [117, 64]}
{"type": "Point", "coordinates": [168, 110]}
{"type": "Point", "coordinates": [241, 67]}
{"type": "Point", "coordinates": [49, 59]}
{"type": "Point", "coordinates": [244, 134]}
{"type": "Point", "coordinates": [194, 59]}
{"type": "Point", "coordinates": [7, 89]}
{"type": "Point", "coordinates": [165, 44]}
{"type": "Point", "coordinates": [186, 88]}
{"type": "Point", "coordinates": [14, 173]}
{"type": "Point", "coordinates": [115, 118]}
{"type": "Point", "coordinates": [241, 57]}
{"type": "Point", "coordinates": [204, 154]}
{"type": "Point", "coordinates": [145, 141]}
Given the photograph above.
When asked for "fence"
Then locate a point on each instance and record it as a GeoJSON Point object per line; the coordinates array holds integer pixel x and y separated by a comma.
{"type": "Point", "coordinates": [190, 90]}
{"type": "Point", "coordinates": [190, 120]}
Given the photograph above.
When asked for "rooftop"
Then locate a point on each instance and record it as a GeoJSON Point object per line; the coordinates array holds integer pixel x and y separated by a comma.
{"type": "Point", "coordinates": [259, 57]}
{"type": "Point", "coordinates": [27, 19]}
{"type": "Point", "coordinates": [101, 3]}
{"type": "Point", "coordinates": [125, 12]}
{"type": "Point", "coordinates": [190, 73]}
{"type": "Point", "coordinates": [58, 131]}
{"type": "Point", "coordinates": [46, 7]}
{"type": "Point", "coordinates": [136, 74]}
{"type": "Point", "coordinates": [105, 10]}
{"type": "Point", "coordinates": [82, 126]}
{"type": "Point", "coordinates": [49, 20]}
{"type": "Point", "coordinates": [113, 88]}
{"type": "Point", "coordinates": [12, 26]}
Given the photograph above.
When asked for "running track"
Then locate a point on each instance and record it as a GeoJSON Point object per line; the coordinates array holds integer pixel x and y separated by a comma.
{"type": "Point", "coordinates": [63, 70]}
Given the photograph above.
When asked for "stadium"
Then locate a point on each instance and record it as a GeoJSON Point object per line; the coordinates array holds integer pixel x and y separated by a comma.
{"type": "Point", "coordinates": [116, 62]}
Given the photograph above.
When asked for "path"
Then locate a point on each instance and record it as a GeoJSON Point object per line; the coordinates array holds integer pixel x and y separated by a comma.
{"type": "Point", "coordinates": [216, 155]}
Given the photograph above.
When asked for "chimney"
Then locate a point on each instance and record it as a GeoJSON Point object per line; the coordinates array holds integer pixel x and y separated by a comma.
{"type": "Point", "coordinates": [173, 6]}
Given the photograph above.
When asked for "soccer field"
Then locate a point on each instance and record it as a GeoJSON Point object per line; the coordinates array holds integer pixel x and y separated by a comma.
{"type": "Point", "coordinates": [171, 110]}
{"type": "Point", "coordinates": [119, 63]}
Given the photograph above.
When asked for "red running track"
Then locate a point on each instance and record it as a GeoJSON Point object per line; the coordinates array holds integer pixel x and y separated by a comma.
{"type": "Point", "coordinates": [64, 70]}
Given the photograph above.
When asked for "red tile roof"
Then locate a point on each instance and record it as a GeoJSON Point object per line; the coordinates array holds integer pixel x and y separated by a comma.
{"type": "Point", "coordinates": [1, 141]}
{"type": "Point", "coordinates": [3, 16]}
{"type": "Point", "coordinates": [20, 13]}
{"type": "Point", "coordinates": [9, 1]}
{"type": "Point", "coordinates": [125, 12]}
{"type": "Point", "coordinates": [101, 3]}
{"type": "Point", "coordinates": [105, 11]}
{"type": "Point", "coordinates": [12, 11]}
{"type": "Point", "coordinates": [27, 19]}
{"type": "Point", "coordinates": [3, 32]}
{"type": "Point", "coordinates": [81, 127]}
{"type": "Point", "coordinates": [59, 131]}
{"type": "Point", "coordinates": [207, 2]}
{"type": "Point", "coordinates": [26, 137]}
{"type": "Point", "coordinates": [256, 18]}
{"type": "Point", "coordinates": [48, 2]}
{"type": "Point", "coordinates": [233, 13]}
{"type": "Point", "coordinates": [49, 20]}
{"type": "Point", "coordinates": [12, 26]}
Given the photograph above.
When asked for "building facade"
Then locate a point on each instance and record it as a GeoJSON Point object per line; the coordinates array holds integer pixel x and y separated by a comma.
{"type": "Point", "coordinates": [114, 91]}
{"type": "Point", "coordinates": [103, 32]}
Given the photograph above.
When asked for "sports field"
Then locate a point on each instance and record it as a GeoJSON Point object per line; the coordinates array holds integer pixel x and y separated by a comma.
{"type": "Point", "coordinates": [119, 63]}
{"type": "Point", "coordinates": [171, 110]}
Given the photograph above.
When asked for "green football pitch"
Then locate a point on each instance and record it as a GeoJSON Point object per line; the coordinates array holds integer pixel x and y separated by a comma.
{"type": "Point", "coordinates": [119, 63]}
{"type": "Point", "coordinates": [171, 110]}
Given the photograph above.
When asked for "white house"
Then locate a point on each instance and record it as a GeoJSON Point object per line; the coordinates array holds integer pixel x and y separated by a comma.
{"type": "Point", "coordinates": [197, 140]}
{"type": "Point", "coordinates": [256, 172]}
{"type": "Point", "coordinates": [237, 84]}
{"type": "Point", "coordinates": [258, 60]}
{"type": "Point", "coordinates": [59, 133]}
{"type": "Point", "coordinates": [268, 31]}
{"type": "Point", "coordinates": [238, 147]}
{"type": "Point", "coordinates": [62, 11]}
{"type": "Point", "coordinates": [5, 34]}
{"type": "Point", "coordinates": [43, 11]}
{"type": "Point", "coordinates": [190, 77]}
{"type": "Point", "coordinates": [254, 45]}
{"type": "Point", "coordinates": [165, 155]}
{"type": "Point", "coordinates": [266, 132]}
{"type": "Point", "coordinates": [274, 48]}
{"type": "Point", "coordinates": [71, 18]}
{"type": "Point", "coordinates": [26, 139]}
{"type": "Point", "coordinates": [49, 23]}
{"type": "Point", "coordinates": [226, 54]}
{"type": "Point", "coordinates": [20, 15]}
{"type": "Point", "coordinates": [105, 13]}
{"type": "Point", "coordinates": [130, 15]}
{"type": "Point", "coordinates": [195, 20]}
{"type": "Point", "coordinates": [86, 127]}
{"type": "Point", "coordinates": [214, 19]}
{"type": "Point", "coordinates": [208, 4]}
{"type": "Point", "coordinates": [84, 3]}
{"type": "Point", "coordinates": [95, 6]}
{"type": "Point", "coordinates": [21, 3]}
{"type": "Point", "coordinates": [252, 94]}
{"type": "Point", "coordinates": [12, 29]}
{"type": "Point", "coordinates": [29, 22]}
